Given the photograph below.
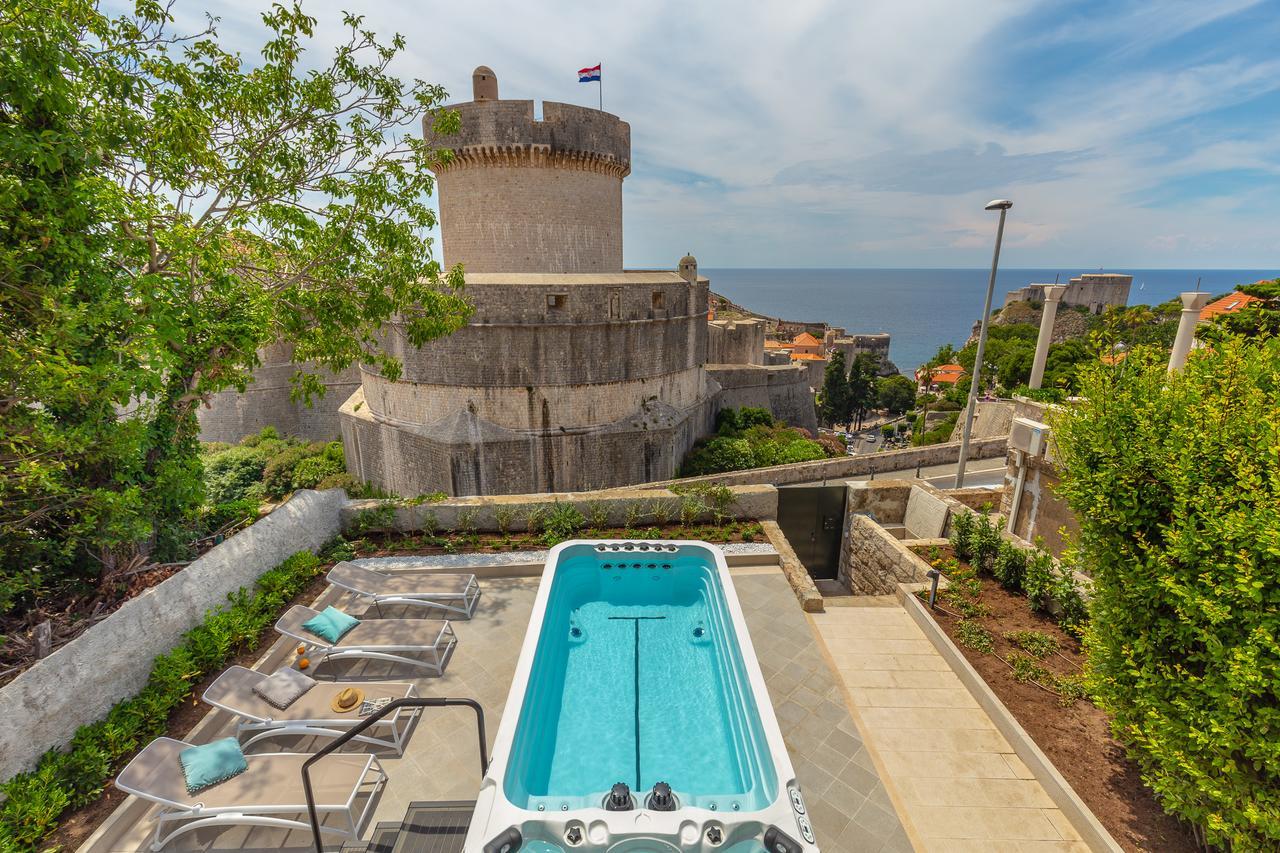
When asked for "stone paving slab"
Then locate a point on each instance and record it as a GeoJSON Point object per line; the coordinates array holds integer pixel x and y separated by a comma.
{"type": "Point", "coordinates": [960, 783]}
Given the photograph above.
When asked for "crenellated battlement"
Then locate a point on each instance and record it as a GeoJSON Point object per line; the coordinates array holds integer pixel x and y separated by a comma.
{"type": "Point", "coordinates": [567, 135]}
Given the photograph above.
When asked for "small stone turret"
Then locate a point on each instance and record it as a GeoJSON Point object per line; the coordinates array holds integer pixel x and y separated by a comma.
{"type": "Point", "coordinates": [484, 84]}
{"type": "Point", "coordinates": [688, 269]}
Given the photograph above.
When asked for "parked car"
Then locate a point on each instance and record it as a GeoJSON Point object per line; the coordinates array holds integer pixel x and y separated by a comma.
{"type": "Point", "coordinates": [870, 438]}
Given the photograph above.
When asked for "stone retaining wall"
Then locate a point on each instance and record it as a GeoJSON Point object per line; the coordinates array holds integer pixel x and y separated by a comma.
{"type": "Point", "coordinates": [81, 681]}
{"type": "Point", "coordinates": [480, 513]}
{"type": "Point", "coordinates": [877, 561]}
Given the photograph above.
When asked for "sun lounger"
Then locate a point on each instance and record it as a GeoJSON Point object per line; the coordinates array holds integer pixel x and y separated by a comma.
{"type": "Point", "coordinates": [456, 593]}
{"type": "Point", "coordinates": [269, 793]}
{"type": "Point", "coordinates": [392, 640]}
{"type": "Point", "coordinates": [311, 714]}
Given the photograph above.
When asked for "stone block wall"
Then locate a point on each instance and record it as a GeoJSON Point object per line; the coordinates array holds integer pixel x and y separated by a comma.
{"type": "Point", "coordinates": [229, 415]}
{"type": "Point", "coordinates": [735, 342]}
{"type": "Point", "coordinates": [784, 390]}
{"type": "Point", "coordinates": [464, 455]}
{"type": "Point", "coordinates": [876, 561]}
{"type": "Point", "coordinates": [1092, 291]}
{"type": "Point", "coordinates": [82, 680]}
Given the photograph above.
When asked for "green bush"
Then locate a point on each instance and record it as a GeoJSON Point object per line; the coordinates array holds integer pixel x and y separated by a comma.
{"type": "Point", "coordinates": [1173, 478]}
{"type": "Point", "coordinates": [277, 476]}
{"type": "Point", "coordinates": [76, 776]}
{"type": "Point", "coordinates": [233, 474]}
{"type": "Point", "coordinates": [1010, 566]}
{"type": "Point", "coordinates": [749, 438]}
{"type": "Point", "coordinates": [341, 480]}
{"type": "Point", "coordinates": [562, 521]}
{"type": "Point", "coordinates": [309, 472]}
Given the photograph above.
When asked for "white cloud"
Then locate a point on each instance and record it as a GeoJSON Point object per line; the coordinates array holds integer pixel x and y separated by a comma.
{"type": "Point", "coordinates": [830, 133]}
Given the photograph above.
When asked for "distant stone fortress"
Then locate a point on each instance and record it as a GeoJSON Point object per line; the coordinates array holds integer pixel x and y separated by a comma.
{"type": "Point", "coordinates": [1094, 292]}
{"type": "Point", "coordinates": [573, 373]}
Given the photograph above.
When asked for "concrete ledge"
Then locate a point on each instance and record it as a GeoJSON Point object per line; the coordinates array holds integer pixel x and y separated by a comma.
{"type": "Point", "coordinates": [797, 575]}
{"type": "Point", "coordinates": [81, 681]}
{"type": "Point", "coordinates": [1064, 797]}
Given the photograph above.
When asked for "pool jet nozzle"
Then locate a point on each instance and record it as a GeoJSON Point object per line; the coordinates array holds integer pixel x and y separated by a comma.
{"type": "Point", "coordinates": [619, 798]}
{"type": "Point", "coordinates": [661, 799]}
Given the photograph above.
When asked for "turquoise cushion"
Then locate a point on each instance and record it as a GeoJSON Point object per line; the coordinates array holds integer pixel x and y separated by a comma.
{"type": "Point", "coordinates": [331, 624]}
{"type": "Point", "coordinates": [207, 765]}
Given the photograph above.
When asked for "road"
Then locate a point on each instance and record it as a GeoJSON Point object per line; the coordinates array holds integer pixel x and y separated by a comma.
{"type": "Point", "coordinates": [980, 472]}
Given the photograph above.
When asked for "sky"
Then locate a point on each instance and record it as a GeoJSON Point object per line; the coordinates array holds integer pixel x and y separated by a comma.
{"type": "Point", "coordinates": [861, 133]}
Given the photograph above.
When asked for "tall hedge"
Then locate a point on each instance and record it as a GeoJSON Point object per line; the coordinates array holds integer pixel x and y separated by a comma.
{"type": "Point", "coordinates": [1176, 484]}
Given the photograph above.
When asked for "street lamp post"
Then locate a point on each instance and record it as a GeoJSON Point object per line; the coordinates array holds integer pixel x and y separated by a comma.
{"type": "Point", "coordinates": [1003, 206]}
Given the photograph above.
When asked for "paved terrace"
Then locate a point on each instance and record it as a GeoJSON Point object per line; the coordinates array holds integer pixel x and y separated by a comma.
{"type": "Point", "coordinates": [960, 784]}
{"type": "Point", "coordinates": [848, 802]}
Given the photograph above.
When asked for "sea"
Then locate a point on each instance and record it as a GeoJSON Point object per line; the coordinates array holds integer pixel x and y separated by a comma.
{"type": "Point", "coordinates": [924, 308]}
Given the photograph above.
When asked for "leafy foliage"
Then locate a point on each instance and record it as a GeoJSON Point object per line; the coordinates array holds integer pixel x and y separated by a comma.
{"type": "Point", "coordinates": [896, 393]}
{"type": "Point", "coordinates": [745, 440]}
{"type": "Point", "coordinates": [72, 778]}
{"type": "Point", "coordinates": [1175, 480]}
{"type": "Point", "coordinates": [168, 209]}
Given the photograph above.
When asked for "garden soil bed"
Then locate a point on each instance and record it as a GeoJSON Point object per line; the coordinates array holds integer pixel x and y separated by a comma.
{"type": "Point", "coordinates": [1075, 738]}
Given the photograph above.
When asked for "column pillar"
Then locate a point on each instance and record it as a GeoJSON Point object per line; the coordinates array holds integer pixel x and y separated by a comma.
{"type": "Point", "coordinates": [1052, 293]}
{"type": "Point", "coordinates": [1192, 302]}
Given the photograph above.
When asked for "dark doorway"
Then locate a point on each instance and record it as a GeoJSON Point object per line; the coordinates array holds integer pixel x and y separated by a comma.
{"type": "Point", "coordinates": [812, 518]}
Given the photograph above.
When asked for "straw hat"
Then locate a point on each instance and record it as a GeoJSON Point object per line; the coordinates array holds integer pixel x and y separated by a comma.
{"type": "Point", "coordinates": [347, 700]}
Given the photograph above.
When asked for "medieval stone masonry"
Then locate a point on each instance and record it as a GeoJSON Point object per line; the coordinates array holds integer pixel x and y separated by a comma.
{"type": "Point", "coordinates": [573, 373]}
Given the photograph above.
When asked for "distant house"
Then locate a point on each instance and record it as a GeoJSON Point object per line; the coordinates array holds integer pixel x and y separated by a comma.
{"type": "Point", "coordinates": [1229, 304]}
{"type": "Point", "coordinates": [805, 344]}
{"type": "Point", "coordinates": [940, 378]}
{"type": "Point", "coordinates": [1113, 358]}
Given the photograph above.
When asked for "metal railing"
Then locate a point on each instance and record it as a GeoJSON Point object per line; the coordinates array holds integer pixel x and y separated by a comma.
{"type": "Point", "coordinates": [390, 708]}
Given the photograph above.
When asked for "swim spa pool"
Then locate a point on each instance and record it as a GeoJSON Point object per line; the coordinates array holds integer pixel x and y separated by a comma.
{"type": "Point", "coordinates": [638, 718]}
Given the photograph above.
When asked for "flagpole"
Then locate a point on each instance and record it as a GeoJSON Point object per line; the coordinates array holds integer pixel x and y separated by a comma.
{"type": "Point", "coordinates": [600, 86]}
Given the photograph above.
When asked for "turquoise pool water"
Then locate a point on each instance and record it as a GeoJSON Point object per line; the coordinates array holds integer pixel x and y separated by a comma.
{"type": "Point", "coordinates": [638, 678]}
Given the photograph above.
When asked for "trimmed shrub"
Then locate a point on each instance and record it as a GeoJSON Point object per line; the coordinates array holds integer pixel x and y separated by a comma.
{"type": "Point", "coordinates": [341, 480]}
{"type": "Point", "coordinates": [233, 474]}
{"type": "Point", "coordinates": [1173, 478]}
{"type": "Point", "coordinates": [308, 473]}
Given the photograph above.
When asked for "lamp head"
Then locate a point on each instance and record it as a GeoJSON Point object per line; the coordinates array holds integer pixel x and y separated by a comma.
{"type": "Point", "coordinates": [999, 204]}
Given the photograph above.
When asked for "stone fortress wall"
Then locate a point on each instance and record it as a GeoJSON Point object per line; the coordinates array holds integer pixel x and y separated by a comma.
{"type": "Point", "coordinates": [231, 415]}
{"type": "Point", "coordinates": [735, 342]}
{"type": "Point", "coordinates": [573, 374]}
{"type": "Point", "coordinates": [1094, 292]}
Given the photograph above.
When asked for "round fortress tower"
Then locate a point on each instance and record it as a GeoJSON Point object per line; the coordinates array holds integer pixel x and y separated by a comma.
{"type": "Point", "coordinates": [522, 195]}
{"type": "Point", "coordinates": [572, 373]}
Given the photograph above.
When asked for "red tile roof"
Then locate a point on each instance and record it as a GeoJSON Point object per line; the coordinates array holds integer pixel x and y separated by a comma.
{"type": "Point", "coordinates": [804, 339]}
{"type": "Point", "coordinates": [806, 356]}
{"type": "Point", "coordinates": [1229, 304]}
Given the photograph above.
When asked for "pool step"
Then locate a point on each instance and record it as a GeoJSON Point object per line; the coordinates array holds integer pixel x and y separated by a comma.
{"type": "Point", "coordinates": [426, 828]}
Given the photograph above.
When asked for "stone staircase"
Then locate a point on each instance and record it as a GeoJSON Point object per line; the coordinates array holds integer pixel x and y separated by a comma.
{"type": "Point", "coordinates": [426, 828]}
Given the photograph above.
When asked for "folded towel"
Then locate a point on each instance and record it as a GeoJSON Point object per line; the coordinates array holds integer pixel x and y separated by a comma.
{"type": "Point", "coordinates": [284, 688]}
{"type": "Point", "coordinates": [206, 765]}
{"type": "Point", "coordinates": [330, 624]}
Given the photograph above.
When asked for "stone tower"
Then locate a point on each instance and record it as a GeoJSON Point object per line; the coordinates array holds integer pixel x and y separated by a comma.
{"type": "Point", "coordinates": [522, 195]}
{"type": "Point", "coordinates": [573, 373]}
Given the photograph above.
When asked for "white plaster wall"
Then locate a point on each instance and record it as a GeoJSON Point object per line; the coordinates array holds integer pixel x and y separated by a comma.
{"type": "Point", "coordinates": [81, 681]}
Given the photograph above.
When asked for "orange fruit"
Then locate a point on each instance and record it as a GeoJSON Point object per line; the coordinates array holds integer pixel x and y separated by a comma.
{"type": "Point", "coordinates": [302, 650]}
{"type": "Point", "coordinates": [304, 663]}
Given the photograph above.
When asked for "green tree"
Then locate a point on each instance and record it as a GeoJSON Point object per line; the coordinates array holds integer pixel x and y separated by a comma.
{"type": "Point", "coordinates": [834, 406]}
{"type": "Point", "coordinates": [862, 386]}
{"type": "Point", "coordinates": [1175, 482]}
{"type": "Point", "coordinates": [895, 393]}
{"type": "Point", "coordinates": [173, 208]}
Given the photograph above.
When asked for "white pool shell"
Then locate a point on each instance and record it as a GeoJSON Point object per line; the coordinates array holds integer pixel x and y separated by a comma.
{"type": "Point", "coordinates": [686, 828]}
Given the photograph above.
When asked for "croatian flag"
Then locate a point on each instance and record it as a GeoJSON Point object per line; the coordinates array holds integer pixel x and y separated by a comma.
{"type": "Point", "coordinates": [589, 75]}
